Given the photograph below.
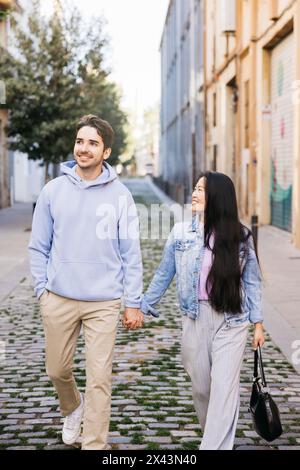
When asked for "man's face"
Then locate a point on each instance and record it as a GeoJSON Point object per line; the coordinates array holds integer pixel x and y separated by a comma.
{"type": "Point", "coordinates": [89, 148]}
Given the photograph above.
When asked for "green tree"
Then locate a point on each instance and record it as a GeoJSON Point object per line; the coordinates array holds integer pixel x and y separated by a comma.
{"type": "Point", "coordinates": [56, 75]}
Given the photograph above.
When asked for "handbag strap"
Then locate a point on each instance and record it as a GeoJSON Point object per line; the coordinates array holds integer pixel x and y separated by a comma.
{"type": "Point", "coordinates": [258, 360]}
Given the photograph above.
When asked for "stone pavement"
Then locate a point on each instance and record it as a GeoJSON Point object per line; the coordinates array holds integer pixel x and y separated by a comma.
{"type": "Point", "coordinates": [152, 403]}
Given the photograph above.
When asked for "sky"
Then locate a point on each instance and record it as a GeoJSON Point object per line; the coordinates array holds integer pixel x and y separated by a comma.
{"type": "Point", "coordinates": [135, 28]}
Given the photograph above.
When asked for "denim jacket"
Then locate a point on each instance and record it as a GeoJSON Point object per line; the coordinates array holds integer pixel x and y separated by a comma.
{"type": "Point", "coordinates": [183, 255]}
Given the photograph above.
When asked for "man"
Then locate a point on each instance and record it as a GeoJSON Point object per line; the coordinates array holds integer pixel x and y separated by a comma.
{"type": "Point", "coordinates": [84, 255]}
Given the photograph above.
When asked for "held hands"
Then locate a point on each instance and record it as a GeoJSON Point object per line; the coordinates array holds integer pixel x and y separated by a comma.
{"type": "Point", "coordinates": [258, 336]}
{"type": "Point", "coordinates": [133, 318]}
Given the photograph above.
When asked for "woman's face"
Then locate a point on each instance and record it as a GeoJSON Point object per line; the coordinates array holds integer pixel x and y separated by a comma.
{"type": "Point", "coordinates": [198, 196]}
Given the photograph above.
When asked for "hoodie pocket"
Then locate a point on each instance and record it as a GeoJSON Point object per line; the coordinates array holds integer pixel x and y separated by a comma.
{"type": "Point", "coordinates": [79, 277]}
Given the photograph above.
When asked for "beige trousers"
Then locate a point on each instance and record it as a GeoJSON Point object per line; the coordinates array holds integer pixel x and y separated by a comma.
{"type": "Point", "coordinates": [62, 320]}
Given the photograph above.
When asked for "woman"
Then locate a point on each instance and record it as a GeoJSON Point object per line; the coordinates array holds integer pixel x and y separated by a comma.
{"type": "Point", "coordinates": [219, 290]}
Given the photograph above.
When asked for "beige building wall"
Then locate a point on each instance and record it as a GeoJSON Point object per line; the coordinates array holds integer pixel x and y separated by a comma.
{"type": "Point", "coordinates": [246, 22]}
{"type": "Point", "coordinates": [244, 131]}
{"type": "Point", "coordinates": [245, 59]}
{"type": "Point", "coordinates": [270, 35]}
{"type": "Point", "coordinates": [220, 71]}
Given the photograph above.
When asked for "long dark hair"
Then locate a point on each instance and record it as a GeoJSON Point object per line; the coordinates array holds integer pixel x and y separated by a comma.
{"type": "Point", "coordinates": [222, 220]}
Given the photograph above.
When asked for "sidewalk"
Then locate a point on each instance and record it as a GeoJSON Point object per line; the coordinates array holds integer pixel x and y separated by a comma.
{"type": "Point", "coordinates": [15, 223]}
{"type": "Point", "coordinates": [280, 263]}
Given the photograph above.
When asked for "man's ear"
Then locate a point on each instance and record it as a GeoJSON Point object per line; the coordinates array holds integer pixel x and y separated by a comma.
{"type": "Point", "coordinates": [107, 153]}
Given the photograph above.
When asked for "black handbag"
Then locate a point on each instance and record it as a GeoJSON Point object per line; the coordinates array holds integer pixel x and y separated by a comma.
{"type": "Point", "coordinates": [263, 409]}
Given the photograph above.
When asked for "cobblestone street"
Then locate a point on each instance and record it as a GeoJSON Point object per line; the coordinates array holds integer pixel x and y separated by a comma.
{"type": "Point", "coordinates": [152, 404]}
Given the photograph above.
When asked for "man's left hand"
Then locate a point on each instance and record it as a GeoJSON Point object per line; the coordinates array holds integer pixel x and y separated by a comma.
{"type": "Point", "coordinates": [133, 318]}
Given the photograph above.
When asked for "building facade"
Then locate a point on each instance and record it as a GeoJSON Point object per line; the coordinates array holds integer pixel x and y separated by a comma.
{"type": "Point", "coordinates": [252, 77]}
{"type": "Point", "coordinates": [278, 116]}
{"type": "Point", "coordinates": [231, 103]}
{"type": "Point", "coordinates": [182, 99]}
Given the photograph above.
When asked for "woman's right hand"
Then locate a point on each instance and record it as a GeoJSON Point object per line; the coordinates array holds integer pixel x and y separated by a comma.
{"type": "Point", "coordinates": [258, 336]}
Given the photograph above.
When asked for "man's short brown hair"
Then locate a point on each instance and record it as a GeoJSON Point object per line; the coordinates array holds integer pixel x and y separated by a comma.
{"type": "Point", "coordinates": [103, 128]}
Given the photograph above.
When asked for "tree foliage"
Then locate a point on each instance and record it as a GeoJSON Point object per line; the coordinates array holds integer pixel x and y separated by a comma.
{"type": "Point", "coordinates": [54, 74]}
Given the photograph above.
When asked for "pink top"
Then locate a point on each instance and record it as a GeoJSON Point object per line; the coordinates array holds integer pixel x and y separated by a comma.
{"type": "Point", "coordinates": [205, 268]}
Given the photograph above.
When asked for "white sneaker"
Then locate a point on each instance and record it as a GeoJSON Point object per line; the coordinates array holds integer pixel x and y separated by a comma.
{"type": "Point", "coordinates": [72, 424]}
{"type": "Point", "coordinates": [78, 443]}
